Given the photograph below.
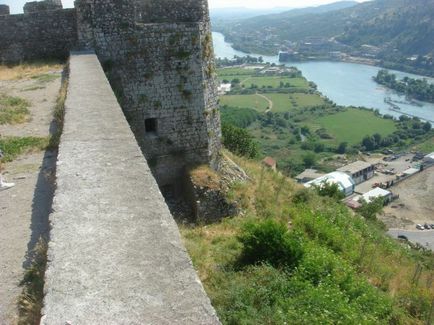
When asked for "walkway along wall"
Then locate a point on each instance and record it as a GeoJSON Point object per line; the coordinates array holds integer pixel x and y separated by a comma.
{"type": "Point", "coordinates": [115, 255]}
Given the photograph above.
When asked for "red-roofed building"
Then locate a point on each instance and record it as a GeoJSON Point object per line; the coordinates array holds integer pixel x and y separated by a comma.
{"type": "Point", "coordinates": [270, 163]}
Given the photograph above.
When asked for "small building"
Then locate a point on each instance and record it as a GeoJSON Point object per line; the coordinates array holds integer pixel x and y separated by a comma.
{"type": "Point", "coordinates": [224, 88]}
{"type": "Point", "coordinates": [342, 180]}
{"type": "Point", "coordinates": [376, 193]}
{"type": "Point", "coordinates": [308, 175]}
{"type": "Point", "coordinates": [429, 159]}
{"type": "Point", "coordinates": [360, 171]}
{"type": "Point", "coordinates": [270, 163]}
{"type": "Point", "coordinates": [411, 171]}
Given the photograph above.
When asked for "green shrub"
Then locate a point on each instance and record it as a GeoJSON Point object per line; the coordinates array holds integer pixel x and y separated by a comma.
{"type": "Point", "coordinates": [270, 242]}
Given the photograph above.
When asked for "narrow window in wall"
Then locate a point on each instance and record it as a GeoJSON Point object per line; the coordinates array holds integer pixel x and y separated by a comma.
{"type": "Point", "coordinates": [151, 125]}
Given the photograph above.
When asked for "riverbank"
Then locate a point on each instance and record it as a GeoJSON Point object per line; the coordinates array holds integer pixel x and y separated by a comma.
{"type": "Point", "coordinates": [345, 83]}
{"type": "Point", "coordinates": [344, 58]}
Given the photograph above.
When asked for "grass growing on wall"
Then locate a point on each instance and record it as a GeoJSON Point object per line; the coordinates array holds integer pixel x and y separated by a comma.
{"type": "Point", "coordinates": [59, 114]}
{"type": "Point", "coordinates": [30, 302]}
{"type": "Point", "coordinates": [346, 270]}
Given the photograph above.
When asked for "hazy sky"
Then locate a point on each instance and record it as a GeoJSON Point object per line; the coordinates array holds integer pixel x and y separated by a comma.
{"type": "Point", "coordinates": [17, 5]}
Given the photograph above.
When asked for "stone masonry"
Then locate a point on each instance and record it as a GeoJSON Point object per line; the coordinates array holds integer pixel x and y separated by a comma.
{"type": "Point", "coordinates": [115, 255]}
{"type": "Point", "coordinates": [158, 56]}
{"type": "Point", "coordinates": [159, 59]}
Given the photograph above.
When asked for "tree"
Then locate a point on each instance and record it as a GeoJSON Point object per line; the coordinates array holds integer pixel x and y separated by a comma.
{"type": "Point", "coordinates": [370, 210]}
{"type": "Point", "coordinates": [330, 189]}
{"type": "Point", "coordinates": [427, 127]}
{"type": "Point", "coordinates": [342, 148]}
{"type": "Point", "coordinates": [309, 160]}
{"type": "Point", "coordinates": [239, 141]}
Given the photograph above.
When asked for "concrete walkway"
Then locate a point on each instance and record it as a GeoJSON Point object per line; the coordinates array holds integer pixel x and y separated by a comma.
{"type": "Point", "coordinates": [115, 255]}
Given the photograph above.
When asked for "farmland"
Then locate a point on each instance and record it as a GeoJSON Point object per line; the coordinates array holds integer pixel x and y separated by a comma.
{"type": "Point", "coordinates": [301, 128]}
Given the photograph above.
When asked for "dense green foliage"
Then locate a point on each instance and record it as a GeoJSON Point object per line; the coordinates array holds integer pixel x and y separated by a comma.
{"type": "Point", "coordinates": [239, 141]}
{"type": "Point", "coordinates": [270, 242]}
{"type": "Point", "coordinates": [414, 88]}
{"type": "Point", "coordinates": [240, 117]}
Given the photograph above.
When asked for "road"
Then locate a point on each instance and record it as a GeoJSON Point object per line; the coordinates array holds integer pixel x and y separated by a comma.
{"type": "Point", "coordinates": [423, 237]}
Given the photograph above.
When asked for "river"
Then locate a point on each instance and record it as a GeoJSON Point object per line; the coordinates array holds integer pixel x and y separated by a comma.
{"type": "Point", "coordinates": [347, 84]}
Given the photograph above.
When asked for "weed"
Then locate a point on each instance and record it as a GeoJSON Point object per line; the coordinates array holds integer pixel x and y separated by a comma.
{"type": "Point", "coordinates": [12, 147]}
{"type": "Point", "coordinates": [59, 113]}
{"type": "Point", "coordinates": [31, 298]}
{"type": "Point", "coordinates": [13, 110]}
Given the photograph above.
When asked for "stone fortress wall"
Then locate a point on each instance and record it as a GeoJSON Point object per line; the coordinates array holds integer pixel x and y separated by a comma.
{"type": "Point", "coordinates": [158, 57]}
{"type": "Point", "coordinates": [43, 31]}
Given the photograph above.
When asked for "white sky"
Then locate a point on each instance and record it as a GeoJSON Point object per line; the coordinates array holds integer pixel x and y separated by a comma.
{"type": "Point", "coordinates": [17, 5]}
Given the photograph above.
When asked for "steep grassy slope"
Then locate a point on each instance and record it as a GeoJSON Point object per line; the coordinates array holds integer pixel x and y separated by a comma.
{"type": "Point", "coordinates": [293, 257]}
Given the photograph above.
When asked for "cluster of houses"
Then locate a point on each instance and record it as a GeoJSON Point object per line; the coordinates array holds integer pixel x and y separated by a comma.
{"type": "Point", "coordinates": [349, 176]}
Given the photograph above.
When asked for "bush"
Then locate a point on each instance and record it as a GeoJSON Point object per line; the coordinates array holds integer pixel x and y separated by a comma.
{"type": "Point", "coordinates": [239, 141]}
{"type": "Point", "coordinates": [330, 189]}
{"type": "Point", "coordinates": [270, 242]}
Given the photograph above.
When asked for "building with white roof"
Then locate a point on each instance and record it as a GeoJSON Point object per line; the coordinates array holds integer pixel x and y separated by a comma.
{"type": "Point", "coordinates": [224, 88]}
{"type": "Point", "coordinates": [344, 181]}
{"type": "Point", "coordinates": [429, 159]}
{"type": "Point", "coordinates": [376, 193]}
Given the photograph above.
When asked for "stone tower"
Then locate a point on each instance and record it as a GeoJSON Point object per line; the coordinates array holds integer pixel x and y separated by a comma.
{"type": "Point", "coordinates": [158, 55]}
{"type": "Point", "coordinates": [4, 10]}
{"type": "Point", "coordinates": [45, 5]}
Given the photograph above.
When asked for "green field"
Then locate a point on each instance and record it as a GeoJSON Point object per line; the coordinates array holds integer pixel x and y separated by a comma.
{"type": "Point", "coordinates": [426, 146]}
{"type": "Point", "coordinates": [281, 103]}
{"type": "Point", "coordinates": [235, 71]}
{"type": "Point", "coordinates": [354, 124]}
{"type": "Point", "coordinates": [307, 100]}
{"type": "Point", "coordinates": [245, 101]}
{"type": "Point", "coordinates": [275, 82]}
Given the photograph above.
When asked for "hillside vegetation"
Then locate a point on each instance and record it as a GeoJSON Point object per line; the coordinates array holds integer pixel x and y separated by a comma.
{"type": "Point", "coordinates": [294, 257]}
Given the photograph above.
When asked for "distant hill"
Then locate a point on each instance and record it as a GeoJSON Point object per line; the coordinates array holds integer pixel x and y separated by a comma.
{"type": "Point", "coordinates": [398, 29]}
{"type": "Point", "coordinates": [407, 25]}
{"type": "Point", "coordinates": [243, 13]}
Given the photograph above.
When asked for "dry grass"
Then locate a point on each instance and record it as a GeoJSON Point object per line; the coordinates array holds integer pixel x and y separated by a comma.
{"type": "Point", "coordinates": [204, 176]}
{"type": "Point", "coordinates": [59, 114]}
{"type": "Point", "coordinates": [28, 70]}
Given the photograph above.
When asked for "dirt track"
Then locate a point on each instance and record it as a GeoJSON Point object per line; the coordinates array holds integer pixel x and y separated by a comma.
{"type": "Point", "coordinates": [24, 209]}
{"type": "Point", "coordinates": [416, 202]}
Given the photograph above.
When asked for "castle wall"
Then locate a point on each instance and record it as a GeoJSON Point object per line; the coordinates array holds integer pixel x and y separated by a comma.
{"type": "Point", "coordinates": [4, 10]}
{"type": "Point", "coordinates": [38, 35]}
{"type": "Point", "coordinates": [162, 72]}
{"type": "Point", "coordinates": [115, 253]}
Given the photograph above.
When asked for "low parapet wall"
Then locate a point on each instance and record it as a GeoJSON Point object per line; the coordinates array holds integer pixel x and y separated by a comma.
{"type": "Point", "coordinates": [115, 255]}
